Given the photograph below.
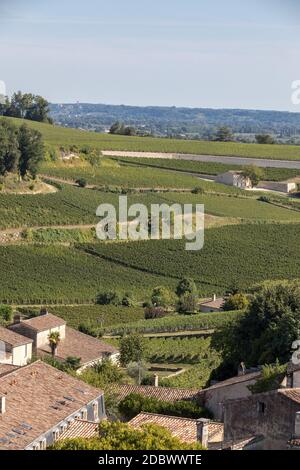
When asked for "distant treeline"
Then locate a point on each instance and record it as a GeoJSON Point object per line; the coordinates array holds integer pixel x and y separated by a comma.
{"type": "Point", "coordinates": [26, 106]}
{"type": "Point", "coordinates": [180, 122]}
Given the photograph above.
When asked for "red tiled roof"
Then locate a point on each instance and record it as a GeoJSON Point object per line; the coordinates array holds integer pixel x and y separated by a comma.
{"type": "Point", "coordinates": [78, 344]}
{"type": "Point", "coordinates": [161, 393]}
{"type": "Point", "coordinates": [12, 338]}
{"type": "Point", "coordinates": [38, 398]}
{"type": "Point", "coordinates": [80, 428]}
{"type": "Point", "coordinates": [218, 303]}
{"type": "Point", "coordinates": [183, 428]}
{"type": "Point", "coordinates": [291, 393]}
{"type": "Point", "coordinates": [6, 369]}
{"type": "Point", "coordinates": [234, 380]}
{"type": "Point", "coordinates": [42, 322]}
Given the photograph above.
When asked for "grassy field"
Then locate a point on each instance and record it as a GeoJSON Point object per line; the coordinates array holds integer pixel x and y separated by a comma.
{"type": "Point", "coordinates": [207, 168]}
{"type": "Point", "coordinates": [133, 177]}
{"type": "Point", "coordinates": [96, 316]}
{"type": "Point", "coordinates": [244, 254]}
{"type": "Point", "coordinates": [59, 136]}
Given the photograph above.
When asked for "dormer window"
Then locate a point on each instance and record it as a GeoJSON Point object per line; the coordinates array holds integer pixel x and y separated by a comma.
{"type": "Point", "coordinates": [55, 435]}
{"type": "Point", "coordinates": [84, 414]}
{"type": "Point", "coordinates": [95, 410]}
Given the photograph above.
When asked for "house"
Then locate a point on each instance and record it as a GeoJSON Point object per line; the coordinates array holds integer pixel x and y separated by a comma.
{"type": "Point", "coordinates": [15, 349]}
{"type": "Point", "coordinates": [72, 343]}
{"type": "Point", "coordinates": [234, 178]}
{"type": "Point", "coordinates": [273, 415]}
{"type": "Point", "coordinates": [287, 186]}
{"type": "Point", "coordinates": [213, 305]}
{"type": "Point", "coordinates": [39, 402]}
{"type": "Point", "coordinates": [215, 396]}
{"type": "Point", "coordinates": [204, 431]}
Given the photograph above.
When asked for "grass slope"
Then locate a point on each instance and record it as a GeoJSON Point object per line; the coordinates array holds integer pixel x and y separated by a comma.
{"type": "Point", "coordinates": [59, 136]}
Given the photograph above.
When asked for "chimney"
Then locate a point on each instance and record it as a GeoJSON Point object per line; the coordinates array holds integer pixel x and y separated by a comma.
{"type": "Point", "coordinates": [297, 425]}
{"type": "Point", "coordinates": [214, 297]}
{"type": "Point", "coordinates": [155, 380]}
{"type": "Point", "coordinates": [43, 311]}
{"type": "Point", "coordinates": [2, 405]}
{"type": "Point", "coordinates": [17, 318]}
{"type": "Point", "coordinates": [202, 431]}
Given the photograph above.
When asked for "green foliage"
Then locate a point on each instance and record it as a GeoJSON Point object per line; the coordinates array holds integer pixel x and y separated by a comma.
{"type": "Point", "coordinates": [162, 297]}
{"type": "Point", "coordinates": [103, 374]}
{"type": "Point", "coordinates": [236, 302]}
{"type": "Point", "coordinates": [134, 403]}
{"type": "Point", "coordinates": [187, 303]}
{"type": "Point", "coordinates": [266, 332]}
{"type": "Point", "coordinates": [154, 312]}
{"type": "Point", "coordinates": [264, 139]}
{"type": "Point", "coordinates": [254, 173]}
{"type": "Point", "coordinates": [132, 349]}
{"type": "Point", "coordinates": [120, 436]}
{"type": "Point", "coordinates": [31, 151]}
{"type": "Point", "coordinates": [9, 148]}
{"type": "Point", "coordinates": [81, 182]}
{"type": "Point", "coordinates": [186, 286]}
{"type": "Point", "coordinates": [137, 370]}
{"type": "Point", "coordinates": [224, 134]}
{"type": "Point", "coordinates": [28, 106]}
{"type": "Point", "coordinates": [72, 362]}
{"type": "Point", "coordinates": [272, 376]}
{"type": "Point", "coordinates": [6, 313]}
{"type": "Point", "coordinates": [185, 350]}
{"type": "Point", "coordinates": [108, 298]}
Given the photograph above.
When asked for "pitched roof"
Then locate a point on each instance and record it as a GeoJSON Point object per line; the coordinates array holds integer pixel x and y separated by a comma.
{"type": "Point", "coordinates": [78, 344]}
{"type": "Point", "coordinates": [161, 393]}
{"type": "Point", "coordinates": [183, 428]}
{"type": "Point", "coordinates": [235, 380]}
{"type": "Point", "coordinates": [12, 338]}
{"type": "Point", "coordinates": [38, 398]}
{"type": "Point", "coordinates": [6, 369]}
{"type": "Point", "coordinates": [41, 322]}
{"type": "Point", "coordinates": [80, 428]}
{"type": "Point", "coordinates": [291, 393]}
{"type": "Point", "coordinates": [218, 303]}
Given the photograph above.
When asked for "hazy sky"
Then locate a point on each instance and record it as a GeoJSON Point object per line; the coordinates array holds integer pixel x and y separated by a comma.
{"type": "Point", "coordinates": [197, 53]}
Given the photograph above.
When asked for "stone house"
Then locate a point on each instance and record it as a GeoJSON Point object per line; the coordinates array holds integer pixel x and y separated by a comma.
{"type": "Point", "coordinates": [274, 416]}
{"type": "Point", "coordinates": [213, 305]}
{"type": "Point", "coordinates": [72, 343]}
{"type": "Point", "coordinates": [234, 178]}
{"type": "Point", "coordinates": [38, 403]}
{"type": "Point", "coordinates": [15, 349]}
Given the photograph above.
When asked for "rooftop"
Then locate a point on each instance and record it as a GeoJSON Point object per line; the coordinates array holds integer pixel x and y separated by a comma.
{"type": "Point", "coordinates": [291, 393]}
{"type": "Point", "coordinates": [41, 322]}
{"type": "Point", "coordinates": [80, 428]}
{"type": "Point", "coordinates": [183, 428]}
{"type": "Point", "coordinates": [78, 344]}
{"type": "Point", "coordinates": [235, 380]}
{"type": "Point", "coordinates": [161, 393]}
{"type": "Point", "coordinates": [38, 398]}
{"type": "Point", "coordinates": [12, 338]}
{"type": "Point", "coordinates": [218, 303]}
{"type": "Point", "coordinates": [6, 369]}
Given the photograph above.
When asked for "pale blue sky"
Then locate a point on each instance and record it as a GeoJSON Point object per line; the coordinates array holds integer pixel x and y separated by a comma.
{"type": "Point", "coordinates": [198, 53]}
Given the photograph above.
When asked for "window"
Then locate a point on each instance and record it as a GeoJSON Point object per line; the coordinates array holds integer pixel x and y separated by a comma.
{"type": "Point", "coordinates": [43, 444]}
{"type": "Point", "coordinates": [55, 435]}
{"type": "Point", "coordinates": [84, 414]}
{"type": "Point", "coordinates": [36, 446]}
{"type": "Point", "coordinates": [261, 407]}
{"type": "Point", "coordinates": [95, 410]}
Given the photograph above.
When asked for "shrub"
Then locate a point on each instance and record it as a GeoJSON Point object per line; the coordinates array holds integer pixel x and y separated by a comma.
{"type": "Point", "coordinates": [187, 303]}
{"type": "Point", "coordinates": [198, 190]}
{"type": "Point", "coordinates": [134, 403]}
{"type": "Point", "coordinates": [6, 313]}
{"type": "Point", "coordinates": [81, 182]}
{"type": "Point", "coordinates": [154, 312]}
{"type": "Point", "coordinates": [236, 302]}
{"type": "Point", "coordinates": [108, 298]}
{"type": "Point", "coordinates": [162, 297]}
{"type": "Point", "coordinates": [264, 199]}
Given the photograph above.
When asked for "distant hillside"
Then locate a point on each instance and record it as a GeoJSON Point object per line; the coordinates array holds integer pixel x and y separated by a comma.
{"type": "Point", "coordinates": [180, 122]}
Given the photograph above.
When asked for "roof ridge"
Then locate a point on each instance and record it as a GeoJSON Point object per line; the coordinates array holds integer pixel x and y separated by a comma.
{"type": "Point", "coordinates": [167, 416]}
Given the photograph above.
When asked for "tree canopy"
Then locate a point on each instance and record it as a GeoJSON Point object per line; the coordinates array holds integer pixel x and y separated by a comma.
{"type": "Point", "coordinates": [266, 332]}
{"type": "Point", "coordinates": [121, 436]}
{"type": "Point", "coordinates": [27, 106]}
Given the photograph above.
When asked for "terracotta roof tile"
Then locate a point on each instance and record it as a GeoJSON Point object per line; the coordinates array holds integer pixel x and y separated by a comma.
{"type": "Point", "coordinates": [80, 428]}
{"type": "Point", "coordinates": [218, 303]}
{"type": "Point", "coordinates": [41, 397]}
{"type": "Point", "coordinates": [12, 338]}
{"type": "Point", "coordinates": [235, 380]}
{"type": "Point", "coordinates": [6, 369]}
{"type": "Point", "coordinates": [42, 322]}
{"type": "Point", "coordinates": [183, 428]}
{"type": "Point", "coordinates": [161, 393]}
{"type": "Point", "coordinates": [291, 393]}
{"type": "Point", "coordinates": [78, 344]}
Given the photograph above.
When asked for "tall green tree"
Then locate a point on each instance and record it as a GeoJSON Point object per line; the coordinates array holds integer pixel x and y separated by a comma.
{"type": "Point", "coordinates": [31, 151]}
{"type": "Point", "coordinates": [132, 349]}
{"type": "Point", "coordinates": [9, 147]}
{"type": "Point", "coordinates": [266, 331]}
